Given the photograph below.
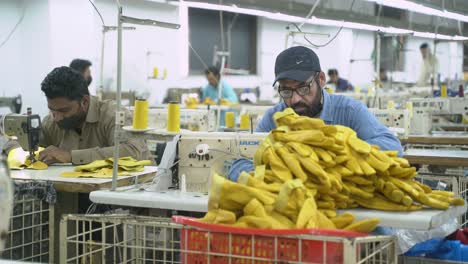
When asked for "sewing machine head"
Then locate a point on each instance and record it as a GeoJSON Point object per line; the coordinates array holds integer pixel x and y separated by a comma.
{"type": "Point", "coordinates": [190, 119]}
{"type": "Point", "coordinates": [14, 103]}
{"type": "Point", "coordinates": [425, 108]}
{"type": "Point", "coordinates": [202, 154]}
{"type": "Point", "coordinates": [397, 120]}
{"type": "Point", "coordinates": [25, 127]}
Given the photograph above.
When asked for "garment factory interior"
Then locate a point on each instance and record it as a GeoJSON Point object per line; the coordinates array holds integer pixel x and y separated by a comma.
{"type": "Point", "coordinates": [234, 131]}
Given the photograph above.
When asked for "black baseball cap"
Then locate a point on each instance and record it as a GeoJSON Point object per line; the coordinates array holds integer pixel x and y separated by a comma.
{"type": "Point", "coordinates": [296, 63]}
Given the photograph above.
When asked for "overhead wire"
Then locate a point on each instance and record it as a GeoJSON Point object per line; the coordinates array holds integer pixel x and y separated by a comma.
{"type": "Point", "coordinates": [97, 11]}
{"type": "Point", "coordinates": [308, 16]}
{"type": "Point", "coordinates": [15, 27]}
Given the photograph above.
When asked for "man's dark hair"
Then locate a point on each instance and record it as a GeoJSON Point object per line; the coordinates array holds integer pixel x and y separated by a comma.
{"type": "Point", "coordinates": [332, 72]}
{"type": "Point", "coordinates": [80, 65]}
{"type": "Point", "coordinates": [64, 82]}
{"type": "Point", "coordinates": [424, 46]}
{"type": "Point", "coordinates": [212, 69]}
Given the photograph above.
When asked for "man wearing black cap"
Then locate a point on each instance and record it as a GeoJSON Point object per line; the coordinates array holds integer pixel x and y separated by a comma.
{"type": "Point", "coordinates": [300, 79]}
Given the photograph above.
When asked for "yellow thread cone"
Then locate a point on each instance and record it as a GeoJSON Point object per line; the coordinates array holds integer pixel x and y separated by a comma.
{"type": "Point", "coordinates": [230, 119]}
{"type": "Point", "coordinates": [140, 114]}
{"type": "Point", "coordinates": [173, 117]}
{"type": "Point", "coordinates": [245, 121]}
{"type": "Point", "coordinates": [443, 91]}
{"type": "Point", "coordinates": [155, 72]}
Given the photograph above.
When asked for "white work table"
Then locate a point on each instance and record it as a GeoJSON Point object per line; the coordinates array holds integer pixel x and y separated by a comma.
{"type": "Point", "coordinates": [441, 157]}
{"type": "Point", "coordinates": [65, 184]}
{"type": "Point", "coordinates": [197, 202]}
{"type": "Point", "coordinates": [169, 200]}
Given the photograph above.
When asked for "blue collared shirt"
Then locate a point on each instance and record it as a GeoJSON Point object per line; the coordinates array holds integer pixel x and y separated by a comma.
{"type": "Point", "coordinates": [337, 110]}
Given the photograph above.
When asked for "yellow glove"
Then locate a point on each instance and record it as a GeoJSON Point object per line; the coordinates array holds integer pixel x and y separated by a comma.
{"type": "Point", "coordinates": [219, 216]}
{"type": "Point", "coordinates": [19, 159]}
{"type": "Point", "coordinates": [255, 208]}
{"type": "Point", "coordinates": [246, 179]}
{"type": "Point", "coordinates": [232, 196]}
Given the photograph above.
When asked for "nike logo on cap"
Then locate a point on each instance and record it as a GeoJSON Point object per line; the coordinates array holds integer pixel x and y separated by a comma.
{"type": "Point", "coordinates": [298, 62]}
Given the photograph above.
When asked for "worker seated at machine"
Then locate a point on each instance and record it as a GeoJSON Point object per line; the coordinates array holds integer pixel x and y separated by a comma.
{"type": "Point", "coordinates": [300, 87]}
{"type": "Point", "coordinates": [341, 85]}
{"type": "Point", "coordinates": [80, 127]}
{"type": "Point", "coordinates": [211, 89]}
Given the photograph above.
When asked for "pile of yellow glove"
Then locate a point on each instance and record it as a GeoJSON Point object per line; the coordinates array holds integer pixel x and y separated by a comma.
{"type": "Point", "coordinates": [305, 170]}
{"type": "Point", "coordinates": [103, 168]}
{"type": "Point", "coordinates": [18, 159]}
{"type": "Point", "coordinates": [191, 102]}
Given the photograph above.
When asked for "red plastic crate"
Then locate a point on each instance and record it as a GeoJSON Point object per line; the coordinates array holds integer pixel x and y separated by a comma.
{"type": "Point", "coordinates": [202, 243]}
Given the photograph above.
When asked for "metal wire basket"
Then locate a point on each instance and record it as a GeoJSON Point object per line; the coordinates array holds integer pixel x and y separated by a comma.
{"type": "Point", "coordinates": [31, 233]}
{"type": "Point", "coordinates": [142, 239]}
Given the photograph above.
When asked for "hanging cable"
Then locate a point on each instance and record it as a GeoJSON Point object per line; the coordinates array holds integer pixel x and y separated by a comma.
{"type": "Point", "coordinates": [298, 27]}
{"type": "Point", "coordinates": [198, 56]}
{"type": "Point", "coordinates": [97, 11]}
{"type": "Point", "coordinates": [309, 15]}
{"type": "Point", "coordinates": [15, 27]}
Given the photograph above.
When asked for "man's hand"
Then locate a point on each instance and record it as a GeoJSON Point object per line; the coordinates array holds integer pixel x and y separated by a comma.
{"type": "Point", "coordinates": [52, 154]}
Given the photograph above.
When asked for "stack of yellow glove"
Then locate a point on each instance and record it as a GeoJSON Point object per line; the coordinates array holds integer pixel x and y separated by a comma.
{"type": "Point", "coordinates": [18, 159]}
{"type": "Point", "coordinates": [305, 170]}
{"type": "Point", "coordinates": [103, 168]}
{"type": "Point", "coordinates": [191, 102]}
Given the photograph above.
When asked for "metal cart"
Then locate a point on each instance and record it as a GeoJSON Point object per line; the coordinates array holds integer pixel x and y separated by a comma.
{"type": "Point", "coordinates": [142, 239]}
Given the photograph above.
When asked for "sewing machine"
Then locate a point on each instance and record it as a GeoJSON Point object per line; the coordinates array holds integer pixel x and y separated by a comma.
{"type": "Point", "coordinates": [25, 127]}
{"type": "Point", "coordinates": [424, 109]}
{"type": "Point", "coordinates": [397, 120]}
{"type": "Point", "coordinates": [14, 103]}
{"type": "Point", "coordinates": [190, 119]}
{"type": "Point", "coordinates": [202, 154]}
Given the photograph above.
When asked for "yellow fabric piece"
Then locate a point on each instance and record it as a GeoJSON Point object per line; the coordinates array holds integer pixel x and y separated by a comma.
{"type": "Point", "coordinates": [104, 168]}
{"type": "Point", "coordinates": [18, 159]}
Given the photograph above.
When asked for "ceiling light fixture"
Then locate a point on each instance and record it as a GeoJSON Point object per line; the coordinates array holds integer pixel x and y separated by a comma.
{"type": "Point", "coordinates": [329, 22]}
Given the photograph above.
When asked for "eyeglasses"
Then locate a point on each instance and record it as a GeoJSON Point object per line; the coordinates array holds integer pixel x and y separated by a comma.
{"type": "Point", "coordinates": [302, 90]}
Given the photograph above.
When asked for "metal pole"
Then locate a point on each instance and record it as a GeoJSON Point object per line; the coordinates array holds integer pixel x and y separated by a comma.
{"type": "Point", "coordinates": [220, 92]}
{"type": "Point", "coordinates": [377, 66]}
{"type": "Point", "coordinates": [118, 97]}
{"type": "Point", "coordinates": [101, 74]}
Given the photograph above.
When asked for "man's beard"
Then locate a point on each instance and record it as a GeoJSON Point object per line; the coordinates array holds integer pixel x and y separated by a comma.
{"type": "Point", "coordinates": [72, 122]}
{"type": "Point", "coordinates": [309, 110]}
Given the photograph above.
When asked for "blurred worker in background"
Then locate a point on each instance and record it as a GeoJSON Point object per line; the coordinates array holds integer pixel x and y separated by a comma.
{"type": "Point", "coordinates": [211, 89]}
{"type": "Point", "coordinates": [300, 82]}
{"type": "Point", "coordinates": [342, 85]}
{"type": "Point", "coordinates": [83, 67]}
{"type": "Point", "coordinates": [429, 67]}
{"type": "Point", "coordinates": [383, 79]}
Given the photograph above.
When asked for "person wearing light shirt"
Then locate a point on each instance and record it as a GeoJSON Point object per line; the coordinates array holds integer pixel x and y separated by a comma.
{"type": "Point", "coordinates": [301, 79]}
{"type": "Point", "coordinates": [429, 67]}
{"type": "Point", "coordinates": [211, 89]}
